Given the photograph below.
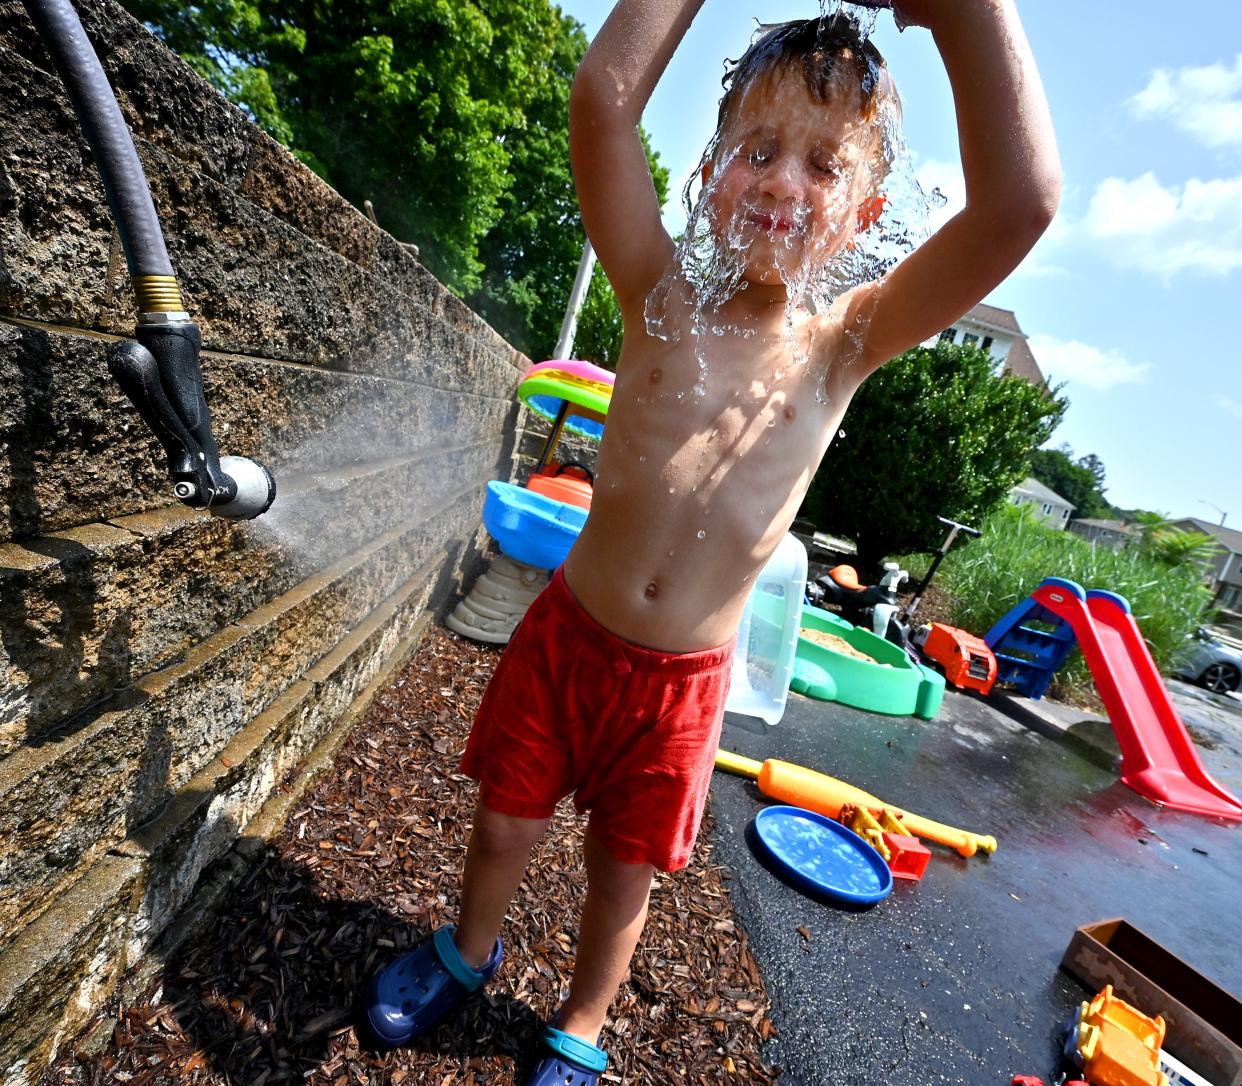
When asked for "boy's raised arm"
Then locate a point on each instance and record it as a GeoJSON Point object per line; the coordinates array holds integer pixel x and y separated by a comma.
{"type": "Point", "coordinates": [618, 200]}
{"type": "Point", "coordinates": [1012, 171]}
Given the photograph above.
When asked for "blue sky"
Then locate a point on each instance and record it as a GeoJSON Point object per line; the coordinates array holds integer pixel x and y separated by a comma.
{"type": "Point", "coordinates": [1134, 298]}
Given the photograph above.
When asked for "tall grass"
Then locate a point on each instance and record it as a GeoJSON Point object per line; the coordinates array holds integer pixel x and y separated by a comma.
{"type": "Point", "coordinates": [988, 576]}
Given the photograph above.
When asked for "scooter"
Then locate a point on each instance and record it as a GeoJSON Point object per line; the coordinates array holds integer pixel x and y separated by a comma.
{"type": "Point", "coordinates": [875, 606]}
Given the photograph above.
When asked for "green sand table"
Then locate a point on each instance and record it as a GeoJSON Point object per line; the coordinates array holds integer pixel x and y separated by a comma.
{"type": "Point", "coordinates": [902, 689]}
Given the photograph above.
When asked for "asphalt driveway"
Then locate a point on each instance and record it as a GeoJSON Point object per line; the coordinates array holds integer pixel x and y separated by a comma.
{"type": "Point", "coordinates": [955, 979]}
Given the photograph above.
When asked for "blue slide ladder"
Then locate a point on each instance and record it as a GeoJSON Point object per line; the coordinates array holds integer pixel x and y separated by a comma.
{"type": "Point", "coordinates": [1027, 656]}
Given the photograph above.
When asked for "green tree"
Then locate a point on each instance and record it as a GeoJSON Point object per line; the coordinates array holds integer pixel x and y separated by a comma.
{"type": "Point", "coordinates": [450, 117]}
{"type": "Point", "coordinates": [937, 431]}
{"type": "Point", "coordinates": [531, 255]}
{"type": "Point", "coordinates": [1080, 482]}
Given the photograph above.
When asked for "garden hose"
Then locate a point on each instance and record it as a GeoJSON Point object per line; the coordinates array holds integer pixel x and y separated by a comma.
{"type": "Point", "coordinates": [160, 373]}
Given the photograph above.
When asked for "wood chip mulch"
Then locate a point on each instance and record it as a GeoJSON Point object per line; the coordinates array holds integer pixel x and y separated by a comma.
{"type": "Point", "coordinates": [366, 866]}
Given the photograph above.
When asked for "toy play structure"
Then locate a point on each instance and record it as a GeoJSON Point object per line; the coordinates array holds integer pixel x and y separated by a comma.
{"type": "Point", "coordinates": [800, 787]}
{"type": "Point", "coordinates": [887, 682]}
{"type": "Point", "coordinates": [535, 525]}
{"type": "Point", "coordinates": [1159, 760]}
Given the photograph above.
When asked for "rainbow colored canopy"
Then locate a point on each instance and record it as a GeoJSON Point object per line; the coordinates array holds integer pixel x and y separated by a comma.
{"type": "Point", "coordinates": [550, 384]}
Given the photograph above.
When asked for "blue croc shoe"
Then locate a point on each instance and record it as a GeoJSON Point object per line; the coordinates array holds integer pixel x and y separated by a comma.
{"type": "Point", "coordinates": [569, 1061]}
{"type": "Point", "coordinates": [410, 995]}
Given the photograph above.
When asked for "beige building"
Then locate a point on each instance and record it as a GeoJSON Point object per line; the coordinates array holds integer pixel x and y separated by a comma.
{"type": "Point", "coordinates": [1226, 571]}
{"type": "Point", "coordinates": [997, 331]}
{"type": "Point", "coordinates": [1114, 534]}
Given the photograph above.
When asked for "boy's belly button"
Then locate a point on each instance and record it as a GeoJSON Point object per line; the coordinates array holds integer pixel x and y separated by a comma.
{"type": "Point", "coordinates": [652, 590]}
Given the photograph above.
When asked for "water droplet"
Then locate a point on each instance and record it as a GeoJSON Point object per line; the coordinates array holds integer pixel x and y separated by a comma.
{"type": "Point", "coordinates": [657, 375]}
{"type": "Point", "coordinates": [642, 459]}
{"type": "Point", "coordinates": [670, 490]}
{"type": "Point", "coordinates": [771, 423]}
{"type": "Point", "coordinates": [702, 533]}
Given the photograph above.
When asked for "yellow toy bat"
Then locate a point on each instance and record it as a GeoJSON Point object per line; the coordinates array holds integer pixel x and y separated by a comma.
{"type": "Point", "coordinates": [802, 787]}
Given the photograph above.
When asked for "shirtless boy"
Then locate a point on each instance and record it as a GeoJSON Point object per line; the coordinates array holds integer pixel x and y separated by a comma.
{"type": "Point", "coordinates": [613, 687]}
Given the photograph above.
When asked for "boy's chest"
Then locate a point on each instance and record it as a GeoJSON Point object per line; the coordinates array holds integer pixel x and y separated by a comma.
{"type": "Point", "coordinates": [744, 393]}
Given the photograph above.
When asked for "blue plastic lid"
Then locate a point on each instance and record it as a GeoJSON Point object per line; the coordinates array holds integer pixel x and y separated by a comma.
{"type": "Point", "coordinates": [823, 856]}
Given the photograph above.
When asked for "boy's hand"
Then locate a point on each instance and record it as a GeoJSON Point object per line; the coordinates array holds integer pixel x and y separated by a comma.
{"type": "Point", "coordinates": [913, 12]}
{"type": "Point", "coordinates": [615, 191]}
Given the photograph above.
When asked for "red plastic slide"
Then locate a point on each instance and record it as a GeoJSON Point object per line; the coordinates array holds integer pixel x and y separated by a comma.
{"type": "Point", "coordinates": [1158, 759]}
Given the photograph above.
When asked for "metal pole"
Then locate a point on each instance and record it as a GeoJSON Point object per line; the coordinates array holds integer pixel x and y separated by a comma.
{"type": "Point", "coordinates": [577, 296]}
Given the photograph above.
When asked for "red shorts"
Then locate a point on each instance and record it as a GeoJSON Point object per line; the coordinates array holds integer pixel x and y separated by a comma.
{"type": "Point", "coordinates": [632, 732]}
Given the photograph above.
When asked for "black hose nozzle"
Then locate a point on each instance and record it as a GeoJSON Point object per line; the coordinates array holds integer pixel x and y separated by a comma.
{"type": "Point", "coordinates": [161, 376]}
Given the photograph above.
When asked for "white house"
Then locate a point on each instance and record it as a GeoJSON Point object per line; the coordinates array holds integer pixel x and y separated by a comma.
{"type": "Point", "coordinates": [1050, 507]}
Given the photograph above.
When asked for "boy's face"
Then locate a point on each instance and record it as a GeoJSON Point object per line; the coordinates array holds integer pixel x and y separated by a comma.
{"type": "Point", "coordinates": [785, 187]}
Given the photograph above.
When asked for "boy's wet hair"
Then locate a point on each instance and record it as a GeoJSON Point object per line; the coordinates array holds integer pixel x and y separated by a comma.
{"type": "Point", "coordinates": [824, 50]}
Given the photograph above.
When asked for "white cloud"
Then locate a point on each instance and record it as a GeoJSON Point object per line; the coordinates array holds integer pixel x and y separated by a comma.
{"type": "Point", "coordinates": [1234, 407]}
{"type": "Point", "coordinates": [1205, 103]}
{"type": "Point", "coordinates": [1164, 231]}
{"type": "Point", "coordinates": [1070, 360]}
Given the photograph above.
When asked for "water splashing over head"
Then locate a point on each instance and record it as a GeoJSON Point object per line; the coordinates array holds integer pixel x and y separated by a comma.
{"type": "Point", "coordinates": [805, 190]}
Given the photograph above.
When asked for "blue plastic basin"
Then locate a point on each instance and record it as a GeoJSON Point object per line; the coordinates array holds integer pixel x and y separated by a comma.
{"type": "Point", "coordinates": [531, 528]}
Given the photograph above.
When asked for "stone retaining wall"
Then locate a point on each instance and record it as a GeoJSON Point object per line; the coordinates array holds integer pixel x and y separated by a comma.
{"type": "Point", "coordinates": [166, 678]}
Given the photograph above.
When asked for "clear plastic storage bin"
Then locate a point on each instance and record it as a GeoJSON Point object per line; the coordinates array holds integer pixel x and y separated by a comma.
{"type": "Point", "coordinates": [767, 639]}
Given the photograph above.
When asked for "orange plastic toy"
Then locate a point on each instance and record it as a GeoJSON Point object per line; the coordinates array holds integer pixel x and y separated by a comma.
{"type": "Point", "coordinates": [906, 858]}
{"type": "Point", "coordinates": [968, 662]}
{"type": "Point", "coordinates": [802, 787]}
{"type": "Point", "coordinates": [555, 480]}
{"type": "Point", "coordinates": [1119, 1044]}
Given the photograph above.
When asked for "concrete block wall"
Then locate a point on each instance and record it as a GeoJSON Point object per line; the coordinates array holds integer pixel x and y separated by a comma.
{"type": "Point", "coordinates": [166, 678]}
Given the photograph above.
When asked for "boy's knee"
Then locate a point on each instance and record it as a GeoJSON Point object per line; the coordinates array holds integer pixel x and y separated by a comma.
{"type": "Point", "coordinates": [501, 834]}
{"type": "Point", "coordinates": [607, 872]}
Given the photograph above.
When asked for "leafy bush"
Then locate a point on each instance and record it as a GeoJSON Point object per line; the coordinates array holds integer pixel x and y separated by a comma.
{"type": "Point", "coordinates": [936, 432]}
{"type": "Point", "coordinates": [988, 576]}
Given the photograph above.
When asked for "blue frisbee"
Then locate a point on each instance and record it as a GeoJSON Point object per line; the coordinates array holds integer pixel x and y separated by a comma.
{"type": "Point", "coordinates": [823, 856]}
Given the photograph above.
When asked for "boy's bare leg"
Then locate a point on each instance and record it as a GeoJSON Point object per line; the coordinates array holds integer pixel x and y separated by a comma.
{"type": "Point", "coordinates": [496, 859]}
{"type": "Point", "coordinates": [612, 920]}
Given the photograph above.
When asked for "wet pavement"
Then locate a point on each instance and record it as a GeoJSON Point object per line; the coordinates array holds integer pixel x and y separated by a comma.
{"type": "Point", "coordinates": [955, 979]}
